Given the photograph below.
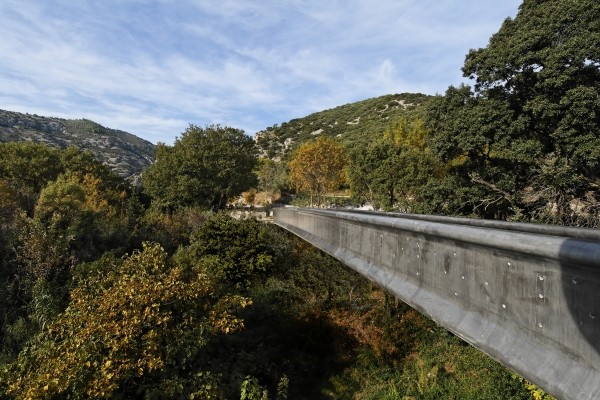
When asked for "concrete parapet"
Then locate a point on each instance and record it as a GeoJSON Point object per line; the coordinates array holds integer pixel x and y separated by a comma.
{"type": "Point", "coordinates": [527, 295]}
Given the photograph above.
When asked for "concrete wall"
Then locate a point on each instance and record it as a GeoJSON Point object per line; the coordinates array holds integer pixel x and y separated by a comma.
{"type": "Point", "coordinates": [527, 295]}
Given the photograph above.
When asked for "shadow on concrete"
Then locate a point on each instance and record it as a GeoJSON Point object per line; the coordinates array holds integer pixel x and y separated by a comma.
{"type": "Point", "coordinates": [580, 271]}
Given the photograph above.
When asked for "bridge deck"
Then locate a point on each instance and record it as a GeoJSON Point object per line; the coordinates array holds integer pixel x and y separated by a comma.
{"type": "Point", "coordinates": [528, 295]}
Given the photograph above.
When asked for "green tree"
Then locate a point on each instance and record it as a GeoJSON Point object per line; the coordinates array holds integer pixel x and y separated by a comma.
{"type": "Point", "coordinates": [27, 168]}
{"type": "Point", "coordinates": [394, 171]}
{"type": "Point", "coordinates": [374, 173]}
{"type": "Point", "coordinates": [87, 211]}
{"type": "Point", "coordinates": [205, 167]}
{"type": "Point", "coordinates": [242, 251]}
{"type": "Point", "coordinates": [318, 166]}
{"type": "Point", "coordinates": [533, 113]}
{"type": "Point", "coordinates": [273, 176]}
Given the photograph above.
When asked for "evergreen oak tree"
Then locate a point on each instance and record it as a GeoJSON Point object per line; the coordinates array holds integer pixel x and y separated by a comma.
{"type": "Point", "coordinates": [205, 167]}
{"type": "Point", "coordinates": [526, 136]}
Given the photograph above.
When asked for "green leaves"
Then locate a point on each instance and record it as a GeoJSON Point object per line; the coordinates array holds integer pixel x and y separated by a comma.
{"type": "Point", "coordinates": [239, 251]}
{"type": "Point", "coordinates": [393, 171]}
{"type": "Point", "coordinates": [536, 100]}
{"type": "Point", "coordinates": [205, 167]}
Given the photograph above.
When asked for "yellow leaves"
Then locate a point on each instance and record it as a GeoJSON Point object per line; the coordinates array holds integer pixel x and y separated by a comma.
{"type": "Point", "coordinates": [318, 166]}
{"type": "Point", "coordinates": [221, 317]}
{"type": "Point", "coordinates": [118, 324]}
{"type": "Point", "coordinates": [226, 323]}
{"type": "Point", "coordinates": [245, 302]}
{"type": "Point", "coordinates": [408, 134]}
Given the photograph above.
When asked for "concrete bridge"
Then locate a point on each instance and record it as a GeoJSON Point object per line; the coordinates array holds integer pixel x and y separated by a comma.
{"type": "Point", "coordinates": [527, 295]}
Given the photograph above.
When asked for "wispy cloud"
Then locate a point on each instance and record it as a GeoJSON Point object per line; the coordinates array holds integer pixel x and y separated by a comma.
{"type": "Point", "coordinates": [152, 66]}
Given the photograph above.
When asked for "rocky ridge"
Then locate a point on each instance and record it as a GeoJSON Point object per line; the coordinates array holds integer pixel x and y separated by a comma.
{"type": "Point", "coordinates": [127, 154]}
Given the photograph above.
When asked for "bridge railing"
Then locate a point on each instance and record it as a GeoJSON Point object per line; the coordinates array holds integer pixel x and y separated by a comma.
{"type": "Point", "coordinates": [527, 295]}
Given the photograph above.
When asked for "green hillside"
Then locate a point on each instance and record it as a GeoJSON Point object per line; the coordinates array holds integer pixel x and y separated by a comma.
{"type": "Point", "coordinates": [355, 124]}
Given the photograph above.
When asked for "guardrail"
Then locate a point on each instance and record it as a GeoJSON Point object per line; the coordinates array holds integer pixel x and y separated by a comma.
{"type": "Point", "coordinates": [527, 295]}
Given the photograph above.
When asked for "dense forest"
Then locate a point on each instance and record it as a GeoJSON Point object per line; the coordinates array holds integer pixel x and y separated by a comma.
{"type": "Point", "coordinates": [113, 292]}
{"type": "Point", "coordinates": [154, 291]}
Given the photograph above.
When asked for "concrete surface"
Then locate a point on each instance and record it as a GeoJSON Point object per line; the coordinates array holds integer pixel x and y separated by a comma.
{"type": "Point", "coordinates": [527, 295]}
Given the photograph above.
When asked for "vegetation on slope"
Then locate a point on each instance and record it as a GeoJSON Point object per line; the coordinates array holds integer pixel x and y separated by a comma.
{"type": "Point", "coordinates": [354, 124]}
{"type": "Point", "coordinates": [214, 308]}
{"type": "Point", "coordinates": [125, 153]}
{"type": "Point", "coordinates": [522, 144]}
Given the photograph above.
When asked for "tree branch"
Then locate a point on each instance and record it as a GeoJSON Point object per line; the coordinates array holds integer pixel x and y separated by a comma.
{"type": "Point", "coordinates": [477, 179]}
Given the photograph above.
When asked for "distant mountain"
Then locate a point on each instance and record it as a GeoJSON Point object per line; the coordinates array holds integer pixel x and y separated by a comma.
{"type": "Point", "coordinates": [355, 124]}
{"type": "Point", "coordinates": [127, 154]}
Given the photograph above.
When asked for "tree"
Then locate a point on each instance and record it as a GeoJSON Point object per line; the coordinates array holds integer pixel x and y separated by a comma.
{"type": "Point", "coordinates": [8, 204]}
{"type": "Point", "coordinates": [318, 166]}
{"type": "Point", "coordinates": [393, 171]}
{"type": "Point", "coordinates": [134, 327]}
{"type": "Point", "coordinates": [27, 168]}
{"type": "Point", "coordinates": [533, 113]}
{"type": "Point", "coordinates": [409, 134]}
{"type": "Point", "coordinates": [374, 173]}
{"type": "Point", "coordinates": [57, 207]}
{"type": "Point", "coordinates": [87, 211]}
{"type": "Point", "coordinates": [272, 175]}
{"type": "Point", "coordinates": [205, 167]}
{"type": "Point", "coordinates": [243, 251]}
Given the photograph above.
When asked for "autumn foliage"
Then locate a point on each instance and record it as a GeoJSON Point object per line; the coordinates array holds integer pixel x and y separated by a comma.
{"type": "Point", "coordinates": [318, 167]}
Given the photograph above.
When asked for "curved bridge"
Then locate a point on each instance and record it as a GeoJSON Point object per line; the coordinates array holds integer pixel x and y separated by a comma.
{"type": "Point", "coordinates": [527, 295]}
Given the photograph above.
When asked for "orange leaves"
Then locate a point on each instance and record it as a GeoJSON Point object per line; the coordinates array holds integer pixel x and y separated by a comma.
{"type": "Point", "coordinates": [319, 166]}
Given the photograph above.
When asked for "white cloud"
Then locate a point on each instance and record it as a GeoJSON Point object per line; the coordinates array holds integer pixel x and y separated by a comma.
{"type": "Point", "coordinates": [152, 67]}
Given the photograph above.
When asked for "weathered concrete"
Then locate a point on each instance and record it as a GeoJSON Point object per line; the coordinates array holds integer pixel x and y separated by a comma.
{"type": "Point", "coordinates": [527, 295]}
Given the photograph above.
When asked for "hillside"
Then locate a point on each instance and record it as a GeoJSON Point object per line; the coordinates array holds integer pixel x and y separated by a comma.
{"type": "Point", "coordinates": [125, 153]}
{"type": "Point", "coordinates": [355, 124]}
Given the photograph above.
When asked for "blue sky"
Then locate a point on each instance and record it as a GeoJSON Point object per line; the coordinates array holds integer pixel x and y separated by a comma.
{"type": "Point", "coordinates": [152, 67]}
